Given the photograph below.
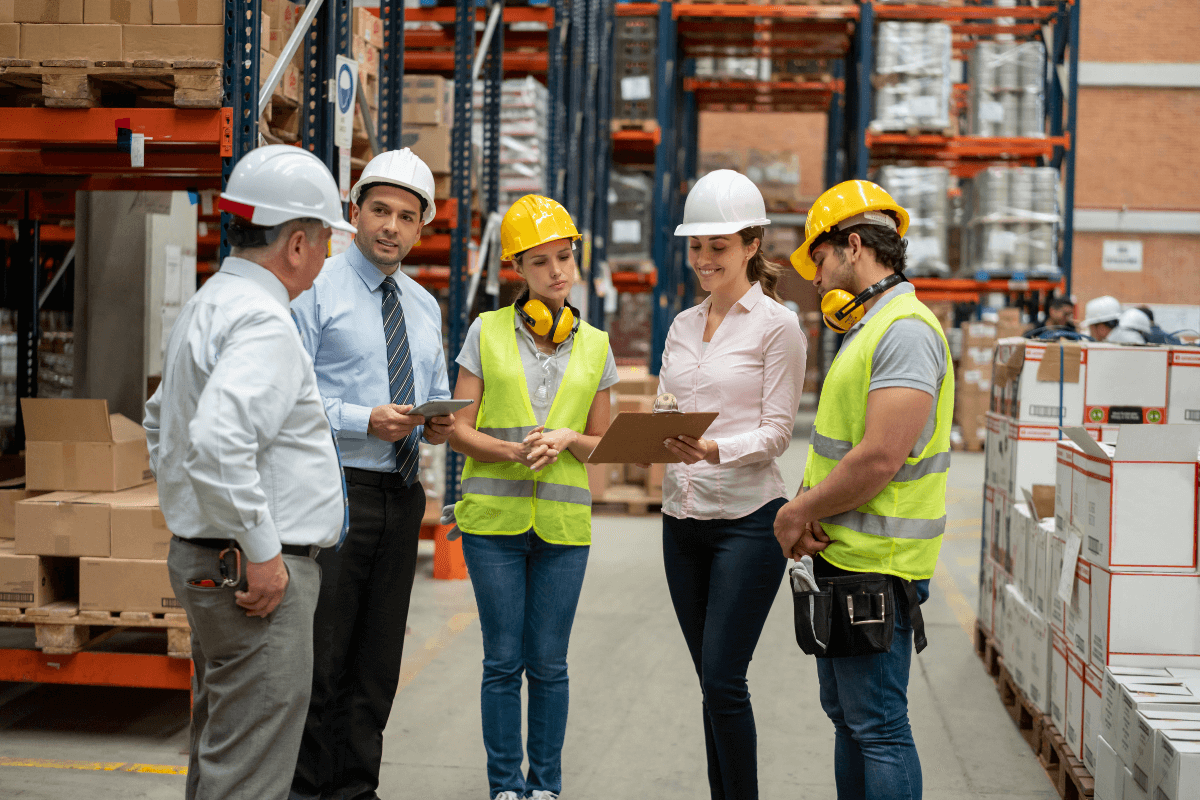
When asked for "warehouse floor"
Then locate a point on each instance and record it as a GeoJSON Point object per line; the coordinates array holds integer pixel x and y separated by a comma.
{"type": "Point", "coordinates": [635, 707]}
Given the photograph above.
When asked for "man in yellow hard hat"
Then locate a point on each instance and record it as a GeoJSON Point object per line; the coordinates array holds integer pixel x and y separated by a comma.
{"type": "Point", "coordinates": [872, 507]}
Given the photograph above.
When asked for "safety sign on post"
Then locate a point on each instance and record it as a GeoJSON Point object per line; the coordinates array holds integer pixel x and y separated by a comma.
{"type": "Point", "coordinates": [345, 91]}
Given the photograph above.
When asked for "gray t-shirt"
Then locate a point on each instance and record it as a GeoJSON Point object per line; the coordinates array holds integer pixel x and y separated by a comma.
{"type": "Point", "coordinates": [910, 354]}
{"type": "Point", "coordinates": [543, 371]}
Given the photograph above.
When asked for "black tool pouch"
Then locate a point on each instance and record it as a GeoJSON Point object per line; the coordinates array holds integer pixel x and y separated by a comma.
{"type": "Point", "coordinates": [854, 615]}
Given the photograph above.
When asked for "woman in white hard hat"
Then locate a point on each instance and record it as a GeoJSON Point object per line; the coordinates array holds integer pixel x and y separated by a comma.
{"type": "Point", "coordinates": [1101, 316]}
{"type": "Point", "coordinates": [740, 353]}
{"type": "Point", "coordinates": [538, 375]}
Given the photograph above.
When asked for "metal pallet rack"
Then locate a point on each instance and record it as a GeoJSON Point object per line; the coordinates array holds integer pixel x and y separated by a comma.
{"type": "Point", "coordinates": [846, 35]}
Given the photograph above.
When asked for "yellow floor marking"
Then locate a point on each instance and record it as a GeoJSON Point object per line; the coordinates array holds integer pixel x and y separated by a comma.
{"type": "Point", "coordinates": [969, 522]}
{"type": "Point", "coordinates": [955, 599]}
{"type": "Point", "coordinates": [95, 766]}
{"type": "Point", "coordinates": [434, 645]}
{"type": "Point", "coordinates": [968, 561]}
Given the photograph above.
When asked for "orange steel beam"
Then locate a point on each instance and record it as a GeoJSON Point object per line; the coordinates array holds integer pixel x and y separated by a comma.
{"type": "Point", "coordinates": [97, 669]}
{"type": "Point", "coordinates": [99, 125]}
{"type": "Point", "coordinates": [637, 9]}
{"type": "Point", "coordinates": [680, 10]}
{"type": "Point", "coordinates": [443, 61]}
{"type": "Point", "coordinates": [956, 13]}
{"type": "Point", "coordinates": [434, 40]}
{"type": "Point", "coordinates": [511, 14]}
{"type": "Point", "coordinates": [634, 281]}
{"type": "Point", "coordinates": [701, 84]}
{"type": "Point", "coordinates": [159, 162]}
{"type": "Point", "coordinates": [970, 285]}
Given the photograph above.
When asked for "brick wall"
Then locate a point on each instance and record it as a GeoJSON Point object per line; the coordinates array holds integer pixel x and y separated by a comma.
{"type": "Point", "coordinates": [1138, 148]}
{"type": "Point", "coordinates": [1139, 30]}
{"type": "Point", "coordinates": [1170, 270]}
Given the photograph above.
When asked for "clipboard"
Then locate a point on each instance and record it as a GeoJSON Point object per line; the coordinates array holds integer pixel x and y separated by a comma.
{"type": "Point", "coordinates": [637, 437]}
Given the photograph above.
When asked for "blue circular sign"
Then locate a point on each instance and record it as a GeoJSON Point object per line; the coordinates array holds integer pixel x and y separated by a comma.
{"type": "Point", "coordinates": [345, 89]}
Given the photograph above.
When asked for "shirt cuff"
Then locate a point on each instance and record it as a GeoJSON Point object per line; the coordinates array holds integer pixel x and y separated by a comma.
{"type": "Point", "coordinates": [262, 543]}
{"type": "Point", "coordinates": [354, 421]}
{"type": "Point", "coordinates": [726, 450]}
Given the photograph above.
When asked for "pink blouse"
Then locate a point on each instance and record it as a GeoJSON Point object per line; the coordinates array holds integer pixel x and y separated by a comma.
{"type": "Point", "coordinates": [752, 374]}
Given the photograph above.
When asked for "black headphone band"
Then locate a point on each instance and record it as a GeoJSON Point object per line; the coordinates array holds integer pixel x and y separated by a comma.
{"type": "Point", "coordinates": [882, 286]}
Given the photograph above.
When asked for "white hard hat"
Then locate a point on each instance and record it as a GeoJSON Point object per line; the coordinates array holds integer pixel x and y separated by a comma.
{"type": "Point", "coordinates": [1135, 320]}
{"type": "Point", "coordinates": [1102, 309]}
{"type": "Point", "coordinates": [276, 183]}
{"type": "Point", "coordinates": [402, 168]}
{"type": "Point", "coordinates": [722, 202]}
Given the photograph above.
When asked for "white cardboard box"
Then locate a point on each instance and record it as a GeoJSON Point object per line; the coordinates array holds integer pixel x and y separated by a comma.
{"type": "Point", "coordinates": [996, 450]}
{"type": "Point", "coordinates": [1031, 452]}
{"type": "Point", "coordinates": [1040, 398]}
{"type": "Point", "coordinates": [1058, 609]}
{"type": "Point", "coordinates": [1058, 681]}
{"type": "Point", "coordinates": [1132, 790]}
{"type": "Point", "coordinates": [1144, 619]}
{"type": "Point", "coordinates": [1183, 397]}
{"type": "Point", "coordinates": [1147, 735]}
{"type": "Point", "coordinates": [1072, 729]}
{"type": "Point", "coordinates": [987, 593]}
{"type": "Point", "coordinates": [1079, 611]}
{"type": "Point", "coordinates": [1125, 384]}
{"type": "Point", "coordinates": [1063, 473]}
{"type": "Point", "coordinates": [1162, 756]}
{"type": "Point", "coordinates": [1149, 701]}
{"type": "Point", "coordinates": [1110, 780]}
{"type": "Point", "coordinates": [1093, 710]}
{"type": "Point", "coordinates": [1141, 497]}
{"type": "Point", "coordinates": [1114, 679]}
{"type": "Point", "coordinates": [1039, 662]}
{"type": "Point", "coordinates": [1181, 771]}
{"type": "Point", "coordinates": [1043, 593]}
{"type": "Point", "coordinates": [1018, 543]}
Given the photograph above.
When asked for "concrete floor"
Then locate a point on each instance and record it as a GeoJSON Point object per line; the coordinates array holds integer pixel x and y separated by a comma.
{"type": "Point", "coordinates": [635, 727]}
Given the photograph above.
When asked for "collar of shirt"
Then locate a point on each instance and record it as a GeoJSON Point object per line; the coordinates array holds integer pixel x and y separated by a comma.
{"type": "Point", "coordinates": [372, 276]}
{"type": "Point", "coordinates": [884, 299]}
{"type": "Point", "coordinates": [747, 301]}
{"type": "Point", "coordinates": [260, 275]}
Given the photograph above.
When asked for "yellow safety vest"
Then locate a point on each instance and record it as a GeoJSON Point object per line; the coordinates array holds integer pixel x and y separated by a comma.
{"type": "Point", "coordinates": [505, 497]}
{"type": "Point", "coordinates": [899, 531]}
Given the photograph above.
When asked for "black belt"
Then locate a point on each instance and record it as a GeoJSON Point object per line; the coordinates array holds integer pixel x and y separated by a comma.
{"type": "Point", "coordinates": [369, 477]}
{"type": "Point", "coordinates": [303, 550]}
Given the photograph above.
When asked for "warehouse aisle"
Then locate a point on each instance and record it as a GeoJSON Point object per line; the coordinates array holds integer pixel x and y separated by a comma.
{"type": "Point", "coordinates": [635, 707]}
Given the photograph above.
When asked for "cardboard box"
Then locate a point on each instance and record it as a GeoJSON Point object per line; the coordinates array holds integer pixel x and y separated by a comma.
{"type": "Point", "coordinates": [1079, 611]}
{"type": "Point", "coordinates": [1150, 735]}
{"type": "Point", "coordinates": [8, 510]}
{"type": "Point", "coordinates": [174, 42]}
{"type": "Point", "coordinates": [117, 584]}
{"type": "Point", "coordinates": [1183, 384]}
{"type": "Point", "coordinates": [1058, 681]}
{"type": "Point", "coordinates": [996, 460]}
{"type": "Point", "coordinates": [10, 40]}
{"type": "Point", "coordinates": [1111, 696]}
{"type": "Point", "coordinates": [425, 100]}
{"type": "Point", "coordinates": [275, 10]}
{"type": "Point", "coordinates": [1175, 773]}
{"type": "Point", "coordinates": [138, 528]}
{"type": "Point", "coordinates": [1138, 619]}
{"type": "Point", "coordinates": [1093, 709]}
{"type": "Point", "coordinates": [1058, 609]}
{"type": "Point", "coordinates": [1140, 702]}
{"type": "Point", "coordinates": [49, 11]}
{"type": "Point", "coordinates": [188, 12]}
{"type": "Point", "coordinates": [1043, 591]}
{"type": "Point", "coordinates": [64, 524]}
{"type": "Point", "coordinates": [1132, 790]}
{"type": "Point", "coordinates": [1034, 369]}
{"type": "Point", "coordinates": [1073, 709]}
{"type": "Point", "coordinates": [1110, 782]}
{"type": "Point", "coordinates": [369, 26]}
{"type": "Point", "coordinates": [292, 83]}
{"type": "Point", "coordinates": [32, 581]}
{"type": "Point", "coordinates": [122, 12]}
{"type": "Point", "coordinates": [1018, 543]}
{"type": "Point", "coordinates": [1141, 497]}
{"type": "Point", "coordinates": [91, 42]}
{"type": "Point", "coordinates": [8, 11]}
{"type": "Point", "coordinates": [1038, 690]}
{"type": "Point", "coordinates": [1125, 384]}
{"type": "Point", "coordinates": [431, 143]}
{"type": "Point", "coordinates": [1031, 453]}
{"type": "Point", "coordinates": [76, 445]}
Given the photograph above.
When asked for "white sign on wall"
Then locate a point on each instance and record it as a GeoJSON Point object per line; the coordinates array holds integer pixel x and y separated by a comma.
{"type": "Point", "coordinates": [1122, 255]}
{"type": "Point", "coordinates": [344, 94]}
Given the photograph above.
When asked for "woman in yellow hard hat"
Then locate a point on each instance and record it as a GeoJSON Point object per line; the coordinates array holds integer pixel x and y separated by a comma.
{"type": "Point", "coordinates": [539, 377]}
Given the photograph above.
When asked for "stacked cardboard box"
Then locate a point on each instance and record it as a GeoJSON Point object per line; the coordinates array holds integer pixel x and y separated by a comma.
{"type": "Point", "coordinates": [428, 113]}
{"type": "Point", "coordinates": [523, 155]}
{"type": "Point", "coordinates": [630, 192]}
{"type": "Point", "coordinates": [88, 524]}
{"type": "Point", "coordinates": [628, 483]}
{"type": "Point", "coordinates": [635, 68]}
{"type": "Point", "coordinates": [973, 383]}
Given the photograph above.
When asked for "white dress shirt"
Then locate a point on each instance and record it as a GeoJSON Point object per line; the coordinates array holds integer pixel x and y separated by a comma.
{"type": "Point", "coordinates": [752, 374]}
{"type": "Point", "coordinates": [237, 431]}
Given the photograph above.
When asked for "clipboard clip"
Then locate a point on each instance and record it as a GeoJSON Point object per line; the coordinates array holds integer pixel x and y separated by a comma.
{"type": "Point", "coordinates": [666, 403]}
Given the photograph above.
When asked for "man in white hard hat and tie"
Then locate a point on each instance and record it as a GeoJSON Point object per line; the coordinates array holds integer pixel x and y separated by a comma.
{"type": "Point", "coordinates": [375, 337]}
{"type": "Point", "coordinates": [248, 477]}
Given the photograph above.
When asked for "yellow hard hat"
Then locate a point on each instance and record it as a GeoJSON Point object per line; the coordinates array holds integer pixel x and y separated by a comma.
{"type": "Point", "coordinates": [852, 202]}
{"type": "Point", "coordinates": [531, 221]}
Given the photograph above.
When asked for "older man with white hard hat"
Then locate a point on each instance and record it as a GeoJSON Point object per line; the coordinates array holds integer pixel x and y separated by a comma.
{"type": "Point", "coordinates": [248, 477]}
{"type": "Point", "coordinates": [375, 337]}
{"type": "Point", "coordinates": [1101, 316]}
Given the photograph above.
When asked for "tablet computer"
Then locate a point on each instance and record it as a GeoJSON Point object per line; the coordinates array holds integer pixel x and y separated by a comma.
{"type": "Point", "coordinates": [439, 408]}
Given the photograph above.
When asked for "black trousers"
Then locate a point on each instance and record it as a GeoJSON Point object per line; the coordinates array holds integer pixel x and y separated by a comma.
{"type": "Point", "coordinates": [358, 640]}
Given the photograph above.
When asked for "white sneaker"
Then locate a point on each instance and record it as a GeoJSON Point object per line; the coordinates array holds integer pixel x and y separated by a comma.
{"type": "Point", "coordinates": [542, 794]}
{"type": "Point", "coordinates": [507, 796]}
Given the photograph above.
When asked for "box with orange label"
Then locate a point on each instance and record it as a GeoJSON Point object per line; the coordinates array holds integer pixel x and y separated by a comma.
{"type": "Point", "coordinates": [1183, 397]}
{"type": "Point", "coordinates": [1125, 384]}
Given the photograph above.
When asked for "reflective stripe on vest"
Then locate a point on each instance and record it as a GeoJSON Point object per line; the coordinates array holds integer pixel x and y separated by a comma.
{"type": "Point", "coordinates": [506, 497]}
{"type": "Point", "coordinates": [897, 532]}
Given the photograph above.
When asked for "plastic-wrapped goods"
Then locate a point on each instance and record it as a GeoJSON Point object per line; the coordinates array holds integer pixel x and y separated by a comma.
{"type": "Point", "coordinates": [629, 210]}
{"type": "Point", "coordinates": [923, 192]}
{"type": "Point", "coordinates": [912, 76]}
{"type": "Point", "coordinates": [1013, 222]}
{"type": "Point", "coordinates": [523, 154]}
{"type": "Point", "coordinates": [1006, 89]}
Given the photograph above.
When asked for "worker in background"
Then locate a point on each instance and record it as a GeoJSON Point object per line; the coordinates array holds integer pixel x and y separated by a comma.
{"type": "Point", "coordinates": [1100, 317]}
{"type": "Point", "coordinates": [873, 499]}
{"type": "Point", "coordinates": [248, 477]}
{"type": "Point", "coordinates": [1157, 335]}
{"type": "Point", "coordinates": [1059, 316]}
{"type": "Point", "coordinates": [539, 376]}
{"type": "Point", "coordinates": [375, 337]}
{"type": "Point", "coordinates": [740, 352]}
{"type": "Point", "coordinates": [1132, 328]}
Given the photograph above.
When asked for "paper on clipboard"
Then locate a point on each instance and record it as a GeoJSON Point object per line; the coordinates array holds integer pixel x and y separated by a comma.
{"type": "Point", "coordinates": [637, 438]}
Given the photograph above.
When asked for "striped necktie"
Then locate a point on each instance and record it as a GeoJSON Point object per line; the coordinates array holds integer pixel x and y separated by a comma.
{"type": "Point", "coordinates": [341, 469]}
{"type": "Point", "coordinates": [400, 376]}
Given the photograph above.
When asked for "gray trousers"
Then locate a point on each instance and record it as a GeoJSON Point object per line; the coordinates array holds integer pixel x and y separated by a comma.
{"type": "Point", "coordinates": [253, 679]}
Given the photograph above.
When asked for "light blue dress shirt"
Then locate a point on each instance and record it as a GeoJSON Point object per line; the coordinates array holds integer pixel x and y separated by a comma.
{"type": "Point", "coordinates": [341, 326]}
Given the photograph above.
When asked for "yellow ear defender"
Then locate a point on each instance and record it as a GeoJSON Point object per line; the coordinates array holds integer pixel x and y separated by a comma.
{"type": "Point", "coordinates": [541, 320]}
{"type": "Point", "coordinates": [842, 310]}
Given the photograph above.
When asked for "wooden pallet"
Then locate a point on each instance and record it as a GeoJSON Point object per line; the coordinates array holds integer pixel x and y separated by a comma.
{"type": "Point", "coordinates": [644, 125]}
{"type": "Point", "coordinates": [78, 83]}
{"type": "Point", "coordinates": [1068, 774]}
{"type": "Point", "coordinates": [61, 628]}
{"type": "Point", "coordinates": [633, 500]}
{"type": "Point", "coordinates": [1030, 721]}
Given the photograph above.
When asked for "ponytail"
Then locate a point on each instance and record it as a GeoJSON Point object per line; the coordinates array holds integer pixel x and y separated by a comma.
{"type": "Point", "coordinates": [759, 269]}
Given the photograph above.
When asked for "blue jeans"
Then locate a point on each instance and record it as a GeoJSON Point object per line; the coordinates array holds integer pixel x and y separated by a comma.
{"type": "Point", "coordinates": [723, 575]}
{"type": "Point", "coordinates": [866, 697]}
{"type": "Point", "coordinates": [527, 591]}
